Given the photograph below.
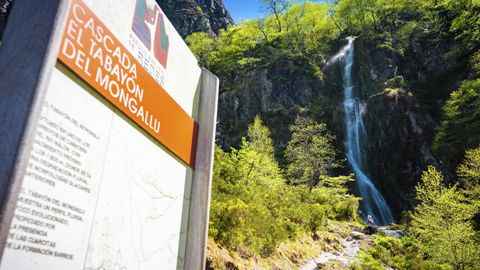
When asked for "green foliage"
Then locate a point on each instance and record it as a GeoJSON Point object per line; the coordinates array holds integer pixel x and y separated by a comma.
{"type": "Point", "coordinates": [259, 137]}
{"type": "Point", "coordinates": [441, 224]}
{"type": "Point", "coordinates": [202, 45]}
{"type": "Point", "coordinates": [357, 15]}
{"type": "Point", "coordinates": [232, 50]}
{"type": "Point", "coordinates": [248, 186]}
{"type": "Point", "coordinates": [458, 17]}
{"type": "Point", "coordinates": [309, 30]}
{"type": "Point", "coordinates": [367, 262]}
{"type": "Point", "coordinates": [297, 37]}
{"type": "Point", "coordinates": [403, 35]}
{"type": "Point", "coordinates": [475, 63]}
{"type": "Point", "coordinates": [469, 174]}
{"type": "Point", "coordinates": [366, 16]}
{"type": "Point", "coordinates": [440, 230]}
{"type": "Point", "coordinates": [447, 16]}
{"type": "Point", "coordinates": [401, 254]}
{"type": "Point", "coordinates": [310, 152]}
{"type": "Point", "coordinates": [460, 128]}
{"type": "Point", "coordinates": [235, 47]}
{"type": "Point", "coordinates": [462, 25]}
{"type": "Point", "coordinates": [276, 8]}
{"type": "Point", "coordinates": [469, 178]}
{"type": "Point", "coordinates": [334, 193]}
{"type": "Point", "coordinates": [253, 209]}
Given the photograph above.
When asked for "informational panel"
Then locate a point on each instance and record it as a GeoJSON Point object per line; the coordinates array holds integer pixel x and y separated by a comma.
{"type": "Point", "coordinates": [108, 179]}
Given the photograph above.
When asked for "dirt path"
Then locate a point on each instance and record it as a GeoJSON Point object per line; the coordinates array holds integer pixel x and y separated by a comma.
{"type": "Point", "coordinates": [351, 247]}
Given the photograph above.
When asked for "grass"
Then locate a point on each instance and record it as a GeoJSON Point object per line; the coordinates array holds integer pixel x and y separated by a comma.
{"type": "Point", "coordinates": [289, 255]}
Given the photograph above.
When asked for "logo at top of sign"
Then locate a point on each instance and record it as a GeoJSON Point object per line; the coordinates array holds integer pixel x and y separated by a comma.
{"type": "Point", "coordinates": [149, 19]}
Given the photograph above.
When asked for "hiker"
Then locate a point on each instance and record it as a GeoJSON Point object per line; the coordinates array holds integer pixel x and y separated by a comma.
{"type": "Point", "coordinates": [371, 228]}
{"type": "Point", "coordinates": [370, 220]}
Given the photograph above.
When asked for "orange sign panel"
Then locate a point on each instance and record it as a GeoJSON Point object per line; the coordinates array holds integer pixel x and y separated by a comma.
{"type": "Point", "coordinates": [91, 51]}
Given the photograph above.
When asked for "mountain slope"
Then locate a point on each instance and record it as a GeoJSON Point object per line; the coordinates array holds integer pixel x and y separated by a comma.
{"type": "Point", "coordinates": [409, 59]}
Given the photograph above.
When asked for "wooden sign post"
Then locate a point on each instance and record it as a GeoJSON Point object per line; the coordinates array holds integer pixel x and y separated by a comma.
{"type": "Point", "coordinates": [106, 139]}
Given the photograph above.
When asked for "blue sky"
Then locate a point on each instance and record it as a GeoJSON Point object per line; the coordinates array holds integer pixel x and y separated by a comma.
{"type": "Point", "coordinates": [245, 9]}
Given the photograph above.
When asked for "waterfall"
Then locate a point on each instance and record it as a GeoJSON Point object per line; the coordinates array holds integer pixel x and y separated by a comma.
{"type": "Point", "coordinates": [372, 202]}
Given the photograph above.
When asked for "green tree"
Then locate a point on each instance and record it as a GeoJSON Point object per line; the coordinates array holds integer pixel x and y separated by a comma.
{"type": "Point", "coordinates": [469, 177]}
{"type": "Point", "coordinates": [469, 174]}
{"type": "Point", "coordinates": [460, 127]}
{"type": "Point", "coordinates": [248, 196]}
{"type": "Point", "coordinates": [310, 152]}
{"type": "Point", "coordinates": [202, 45]}
{"type": "Point", "coordinates": [456, 17]}
{"type": "Point", "coordinates": [310, 32]}
{"type": "Point", "coordinates": [475, 63]}
{"type": "Point", "coordinates": [358, 15]}
{"type": "Point", "coordinates": [276, 8]}
{"type": "Point", "coordinates": [441, 223]}
{"type": "Point", "coordinates": [467, 14]}
{"type": "Point", "coordinates": [253, 209]}
{"type": "Point", "coordinates": [232, 50]}
{"type": "Point", "coordinates": [259, 137]}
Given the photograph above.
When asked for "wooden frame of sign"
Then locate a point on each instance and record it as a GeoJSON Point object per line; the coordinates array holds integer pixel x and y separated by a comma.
{"type": "Point", "coordinates": [28, 54]}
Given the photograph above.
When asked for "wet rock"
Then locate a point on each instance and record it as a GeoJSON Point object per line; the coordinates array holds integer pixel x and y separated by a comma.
{"type": "Point", "coordinates": [397, 148]}
{"type": "Point", "coordinates": [357, 235]}
{"type": "Point", "coordinates": [277, 95]}
{"type": "Point", "coordinates": [392, 233]}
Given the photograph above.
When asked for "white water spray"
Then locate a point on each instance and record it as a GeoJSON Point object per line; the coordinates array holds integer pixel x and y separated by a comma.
{"type": "Point", "coordinates": [372, 202]}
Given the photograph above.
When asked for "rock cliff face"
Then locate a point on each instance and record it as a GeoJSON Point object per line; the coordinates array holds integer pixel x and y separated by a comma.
{"type": "Point", "coordinates": [276, 93]}
{"type": "Point", "coordinates": [397, 148]}
{"type": "Point", "coordinates": [403, 93]}
{"type": "Point", "coordinates": [190, 16]}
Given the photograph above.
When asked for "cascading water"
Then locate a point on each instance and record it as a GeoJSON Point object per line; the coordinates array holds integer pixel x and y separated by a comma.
{"type": "Point", "coordinates": [372, 202]}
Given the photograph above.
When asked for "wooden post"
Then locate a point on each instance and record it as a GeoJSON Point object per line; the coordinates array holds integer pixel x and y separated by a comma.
{"type": "Point", "coordinates": [197, 232]}
{"type": "Point", "coordinates": [27, 56]}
